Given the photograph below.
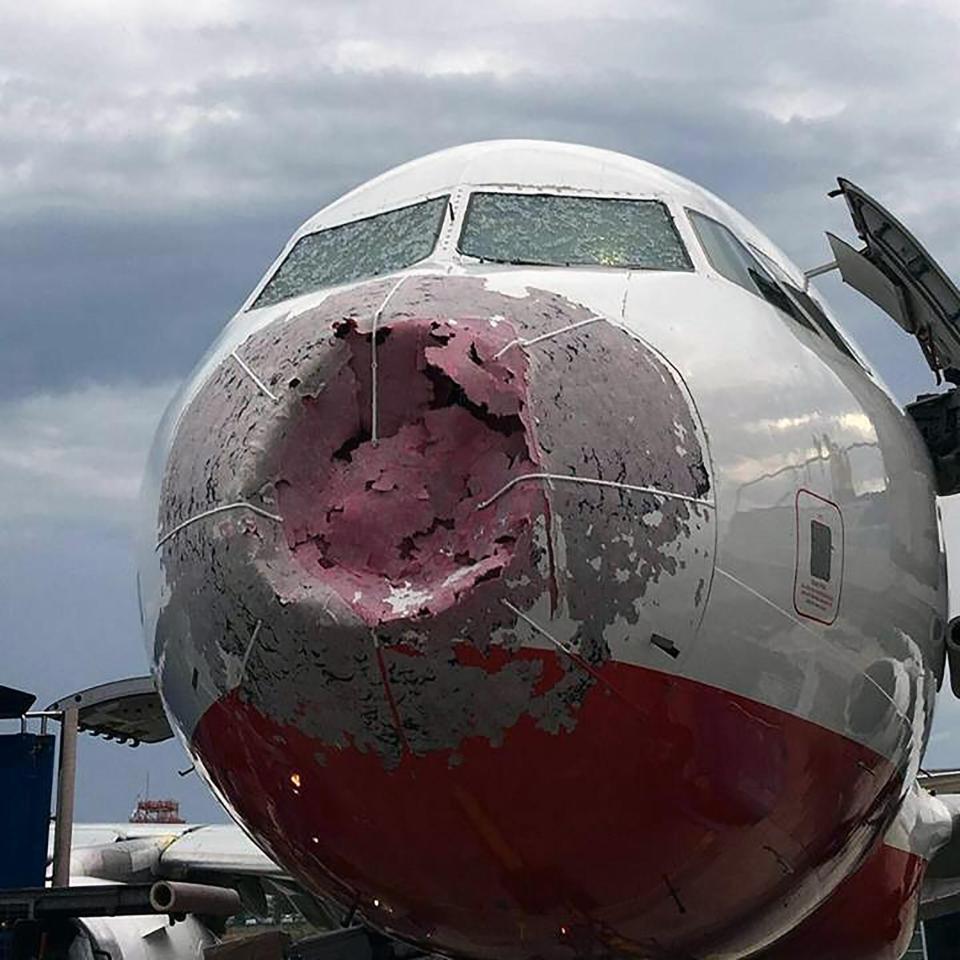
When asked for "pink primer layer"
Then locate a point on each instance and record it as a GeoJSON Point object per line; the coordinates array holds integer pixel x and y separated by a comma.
{"type": "Point", "coordinates": [394, 526]}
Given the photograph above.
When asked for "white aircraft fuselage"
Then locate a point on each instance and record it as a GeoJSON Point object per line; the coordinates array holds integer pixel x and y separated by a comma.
{"type": "Point", "coordinates": [543, 610]}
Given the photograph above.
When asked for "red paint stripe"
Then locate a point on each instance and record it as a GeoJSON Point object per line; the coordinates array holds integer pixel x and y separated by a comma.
{"type": "Point", "coordinates": [693, 823]}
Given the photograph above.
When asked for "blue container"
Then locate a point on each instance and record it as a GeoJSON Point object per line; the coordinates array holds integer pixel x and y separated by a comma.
{"type": "Point", "coordinates": [26, 778]}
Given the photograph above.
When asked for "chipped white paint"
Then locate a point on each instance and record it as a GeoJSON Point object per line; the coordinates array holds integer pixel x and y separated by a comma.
{"type": "Point", "coordinates": [590, 481]}
{"type": "Point", "coordinates": [524, 342]}
{"type": "Point", "coordinates": [374, 365]}
{"type": "Point", "coordinates": [462, 574]}
{"type": "Point", "coordinates": [406, 599]}
{"type": "Point", "coordinates": [261, 386]}
{"type": "Point", "coordinates": [240, 505]}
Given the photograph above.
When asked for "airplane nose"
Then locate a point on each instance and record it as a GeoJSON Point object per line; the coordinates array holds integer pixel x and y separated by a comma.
{"type": "Point", "coordinates": [417, 542]}
{"type": "Point", "coordinates": [403, 449]}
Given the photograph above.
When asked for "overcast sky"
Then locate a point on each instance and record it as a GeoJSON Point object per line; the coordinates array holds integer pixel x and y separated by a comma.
{"type": "Point", "coordinates": [155, 156]}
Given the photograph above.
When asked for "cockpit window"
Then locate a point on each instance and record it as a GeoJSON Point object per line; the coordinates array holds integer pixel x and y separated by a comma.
{"type": "Point", "coordinates": [813, 310]}
{"type": "Point", "coordinates": [733, 260]}
{"type": "Point", "coordinates": [545, 229]}
{"type": "Point", "coordinates": [363, 248]}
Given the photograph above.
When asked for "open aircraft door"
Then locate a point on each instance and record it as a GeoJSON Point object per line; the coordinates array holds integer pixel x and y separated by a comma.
{"type": "Point", "coordinates": [897, 274]}
{"type": "Point", "coordinates": [895, 271]}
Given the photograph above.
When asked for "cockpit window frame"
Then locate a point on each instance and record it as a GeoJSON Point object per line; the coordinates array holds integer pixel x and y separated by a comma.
{"type": "Point", "coordinates": [808, 304]}
{"type": "Point", "coordinates": [569, 193]}
{"type": "Point", "coordinates": [790, 300]}
{"type": "Point", "coordinates": [275, 268]}
{"type": "Point", "coordinates": [759, 281]}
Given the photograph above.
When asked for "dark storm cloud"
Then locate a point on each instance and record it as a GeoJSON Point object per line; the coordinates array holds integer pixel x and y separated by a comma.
{"type": "Point", "coordinates": [155, 157]}
{"type": "Point", "coordinates": [132, 280]}
{"type": "Point", "coordinates": [97, 298]}
{"type": "Point", "coordinates": [70, 621]}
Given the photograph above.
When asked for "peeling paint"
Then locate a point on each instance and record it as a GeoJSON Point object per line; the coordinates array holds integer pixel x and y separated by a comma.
{"type": "Point", "coordinates": [380, 592]}
{"type": "Point", "coordinates": [399, 518]}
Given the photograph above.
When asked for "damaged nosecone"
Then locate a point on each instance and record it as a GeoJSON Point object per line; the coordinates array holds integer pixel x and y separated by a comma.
{"type": "Point", "coordinates": [360, 592]}
{"type": "Point", "coordinates": [392, 523]}
{"type": "Point", "coordinates": [395, 588]}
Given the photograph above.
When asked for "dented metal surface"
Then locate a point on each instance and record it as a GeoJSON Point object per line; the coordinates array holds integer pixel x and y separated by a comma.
{"type": "Point", "coordinates": [384, 580]}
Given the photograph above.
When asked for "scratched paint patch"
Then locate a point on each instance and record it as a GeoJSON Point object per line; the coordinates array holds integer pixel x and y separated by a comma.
{"type": "Point", "coordinates": [382, 605]}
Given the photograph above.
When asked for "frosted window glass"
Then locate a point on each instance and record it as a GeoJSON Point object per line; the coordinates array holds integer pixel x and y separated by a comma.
{"type": "Point", "coordinates": [352, 251]}
{"type": "Point", "coordinates": [562, 231]}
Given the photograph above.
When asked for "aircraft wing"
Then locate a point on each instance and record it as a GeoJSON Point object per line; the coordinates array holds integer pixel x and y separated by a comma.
{"type": "Point", "coordinates": [940, 782]}
{"type": "Point", "coordinates": [182, 850]}
{"type": "Point", "coordinates": [215, 854]}
{"type": "Point", "coordinates": [222, 849]}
